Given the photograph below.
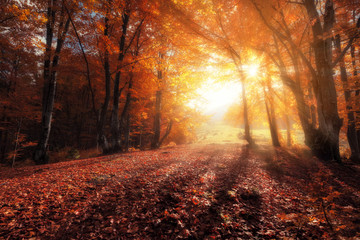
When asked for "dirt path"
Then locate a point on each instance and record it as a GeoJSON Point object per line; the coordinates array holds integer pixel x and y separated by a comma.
{"type": "Point", "coordinates": [208, 191]}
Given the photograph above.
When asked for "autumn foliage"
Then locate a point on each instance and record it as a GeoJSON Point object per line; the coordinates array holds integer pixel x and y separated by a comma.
{"type": "Point", "coordinates": [96, 78]}
{"type": "Point", "coordinates": [120, 74]}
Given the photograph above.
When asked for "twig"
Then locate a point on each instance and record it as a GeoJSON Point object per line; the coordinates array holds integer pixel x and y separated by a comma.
{"type": "Point", "coordinates": [16, 143]}
{"type": "Point", "coordinates": [325, 215]}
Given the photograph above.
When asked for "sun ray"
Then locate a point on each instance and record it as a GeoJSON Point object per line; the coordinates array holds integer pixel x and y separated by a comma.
{"type": "Point", "coordinates": [252, 70]}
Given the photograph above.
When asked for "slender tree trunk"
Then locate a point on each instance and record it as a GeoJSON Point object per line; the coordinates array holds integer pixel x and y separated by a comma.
{"type": "Point", "coordinates": [101, 138]}
{"type": "Point", "coordinates": [239, 66]}
{"type": "Point", "coordinates": [1, 146]}
{"type": "Point", "coordinates": [140, 137]}
{"type": "Point", "coordinates": [156, 139]}
{"type": "Point", "coordinates": [357, 94]}
{"type": "Point", "coordinates": [167, 132]}
{"type": "Point", "coordinates": [155, 143]}
{"type": "Point", "coordinates": [303, 110]}
{"type": "Point", "coordinates": [125, 116]}
{"type": "Point", "coordinates": [3, 141]}
{"type": "Point", "coordinates": [288, 131]}
{"type": "Point", "coordinates": [287, 121]}
{"type": "Point", "coordinates": [127, 133]}
{"type": "Point", "coordinates": [275, 128]}
{"type": "Point", "coordinates": [351, 128]}
{"type": "Point", "coordinates": [16, 143]}
{"type": "Point", "coordinates": [312, 107]}
{"type": "Point", "coordinates": [248, 137]}
{"type": "Point", "coordinates": [271, 119]}
{"type": "Point", "coordinates": [40, 152]}
{"type": "Point", "coordinates": [4, 146]}
{"type": "Point", "coordinates": [116, 135]}
{"type": "Point", "coordinates": [40, 155]}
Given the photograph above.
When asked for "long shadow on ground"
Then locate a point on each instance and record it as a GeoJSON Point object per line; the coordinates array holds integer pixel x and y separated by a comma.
{"type": "Point", "coordinates": [208, 193]}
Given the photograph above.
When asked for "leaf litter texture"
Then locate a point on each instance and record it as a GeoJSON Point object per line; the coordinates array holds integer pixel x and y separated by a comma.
{"type": "Point", "coordinates": [214, 191]}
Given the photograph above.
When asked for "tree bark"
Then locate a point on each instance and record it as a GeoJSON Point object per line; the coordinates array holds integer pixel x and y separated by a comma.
{"type": "Point", "coordinates": [116, 135]}
{"type": "Point", "coordinates": [167, 132]}
{"type": "Point", "coordinates": [248, 137]}
{"type": "Point", "coordinates": [357, 94]}
{"type": "Point", "coordinates": [125, 116]}
{"type": "Point", "coordinates": [324, 140]}
{"type": "Point", "coordinates": [101, 138]}
{"type": "Point", "coordinates": [271, 118]}
{"type": "Point", "coordinates": [16, 143]}
{"type": "Point", "coordinates": [155, 143]}
{"type": "Point", "coordinates": [157, 119]}
{"type": "Point", "coordinates": [3, 141]}
{"type": "Point", "coordinates": [287, 121]}
{"type": "Point", "coordinates": [40, 155]}
{"type": "Point", "coordinates": [326, 144]}
{"type": "Point", "coordinates": [351, 128]}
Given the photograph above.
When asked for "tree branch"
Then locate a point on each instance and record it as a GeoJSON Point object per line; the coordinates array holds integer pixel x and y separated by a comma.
{"type": "Point", "coordinates": [86, 62]}
{"type": "Point", "coordinates": [282, 36]}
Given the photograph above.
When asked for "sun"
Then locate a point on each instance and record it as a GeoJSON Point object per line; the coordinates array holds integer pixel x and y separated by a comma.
{"type": "Point", "coordinates": [216, 97]}
{"type": "Point", "coordinates": [219, 90]}
{"type": "Point", "coordinates": [252, 70]}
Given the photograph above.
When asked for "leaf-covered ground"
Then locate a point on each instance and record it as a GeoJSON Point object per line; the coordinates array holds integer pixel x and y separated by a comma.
{"type": "Point", "coordinates": [208, 191]}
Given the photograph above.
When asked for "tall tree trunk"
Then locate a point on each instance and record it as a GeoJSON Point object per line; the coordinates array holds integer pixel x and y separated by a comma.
{"type": "Point", "coordinates": [275, 129]}
{"type": "Point", "coordinates": [155, 143]}
{"type": "Point", "coordinates": [304, 112]}
{"type": "Point", "coordinates": [101, 138]}
{"type": "Point", "coordinates": [326, 144]}
{"type": "Point", "coordinates": [324, 141]}
{"type": "Point", "coordinates": [351, 128]}
{"type": "Point", "coordinates": [312, 107]}
{"type": "Point", "coordinates": [235, 56]}
{"type": "Point", "coordinates": [287, 121]}
{"type": "Point", "coordinates": [40, 155]}
{"type": "Point", "coordinates": [156, 139]}
{"type": "Point", "coordinates": [271, 118]}
{"type": "Point", "coordinates": [116, 135]}
{"type": "Point", "coordinates": [248, 137]}
{"type": "Point", "coordinates": [303, 109]}
{"type": "Point", "coordinates": [127, 133]}
{"type": "Point", "coordinates": [357, 95]}
{"type": "Point", "coordinates": [125, 116]}
{"type": "Point", "coordinates": [16, 143]}
{"type": "Point", "coordinates": [4, 145]}
{"type": "Point", "coordinates": [3, 141]}
{"type": "Point", "coordinates": [167, 132]}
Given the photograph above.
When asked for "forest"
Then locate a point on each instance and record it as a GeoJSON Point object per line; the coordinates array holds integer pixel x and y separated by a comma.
{"type": "Point", "coordinates": [170, 119]}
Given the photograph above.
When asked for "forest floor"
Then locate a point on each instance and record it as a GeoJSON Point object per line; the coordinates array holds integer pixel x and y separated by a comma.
{"type": "Point", "coordinates": [199, 191]}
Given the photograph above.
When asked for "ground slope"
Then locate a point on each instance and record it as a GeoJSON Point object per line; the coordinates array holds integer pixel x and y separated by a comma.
{"type": "Point", "coordinates": [205, 191]}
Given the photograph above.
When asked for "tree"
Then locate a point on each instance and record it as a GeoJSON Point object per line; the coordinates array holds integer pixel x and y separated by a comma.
{"type": "Point", "coordinates": [50, 67]}
{"type": "Point", "coordinates": [157, 116]}
{"type": "Point", "coordinates": [116, 144]}
{"type": "Point", "coordinates": [18, 78]}
{"type": "Point", "coordinates": [270, 112]}
{"type": "Point", "coordinates": [324, 138]}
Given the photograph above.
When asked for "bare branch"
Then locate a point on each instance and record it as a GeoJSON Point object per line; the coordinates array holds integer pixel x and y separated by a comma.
{"type": "Point", "coordinates": [351, 40]}
{"type": "Point", "coordinates": [288, 39]}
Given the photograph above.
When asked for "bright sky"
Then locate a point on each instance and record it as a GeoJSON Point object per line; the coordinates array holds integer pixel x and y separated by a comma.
{"type": "Point", "coordinates": [215, 97]}
{"type": "Point", "coordinates": [218, 96]}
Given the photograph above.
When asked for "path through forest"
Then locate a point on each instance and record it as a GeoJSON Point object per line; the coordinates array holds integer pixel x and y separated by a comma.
{"type": "Point", "coordinates": [200, 191]}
